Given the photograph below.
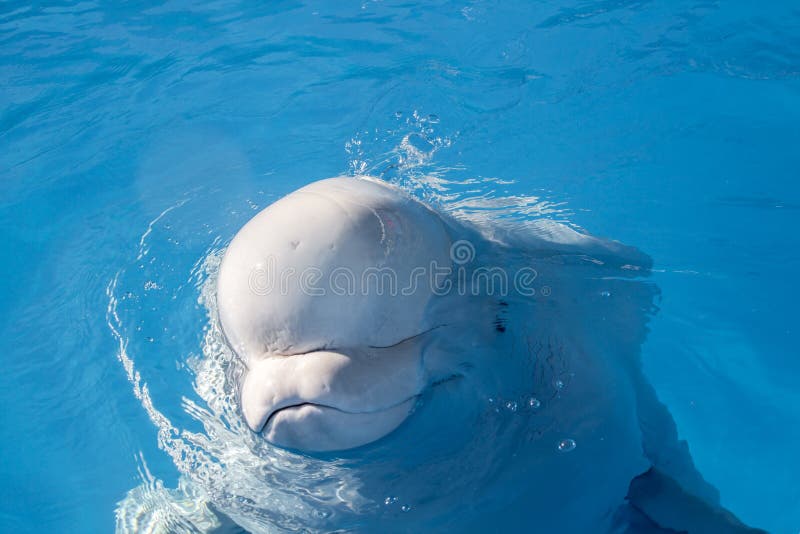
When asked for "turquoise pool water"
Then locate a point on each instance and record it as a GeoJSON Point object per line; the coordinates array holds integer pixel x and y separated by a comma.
{"type": "Point", "coordinates": [136, 138]}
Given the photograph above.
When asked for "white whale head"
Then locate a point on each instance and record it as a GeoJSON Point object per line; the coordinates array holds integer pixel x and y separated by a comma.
{"type": "Point", "coordinates": [322, 295]}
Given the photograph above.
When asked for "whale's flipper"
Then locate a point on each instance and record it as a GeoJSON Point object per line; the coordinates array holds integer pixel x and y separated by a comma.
{"type": "Point", "coordinates": [663, 448]}
{"type": "Point", "coordinates": [664, 502]}
{"type": "Point", "coordinates": [673, 494]}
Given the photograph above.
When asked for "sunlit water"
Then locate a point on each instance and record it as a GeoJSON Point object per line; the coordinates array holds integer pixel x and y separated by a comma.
{"type": "Point", "coordinates": [135, 140]}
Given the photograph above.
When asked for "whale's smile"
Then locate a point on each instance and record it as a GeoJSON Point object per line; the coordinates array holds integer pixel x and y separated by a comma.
{"type": "Point", "coordinates": [316, 425]}
{"type": "Point", "coordinates": [305, 426]}
{"type": "Point", "coordinates": [297, 411]}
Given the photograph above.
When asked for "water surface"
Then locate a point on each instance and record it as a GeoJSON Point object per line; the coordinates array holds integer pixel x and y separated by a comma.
{"type": "Point", "coordinates": [138, 138]}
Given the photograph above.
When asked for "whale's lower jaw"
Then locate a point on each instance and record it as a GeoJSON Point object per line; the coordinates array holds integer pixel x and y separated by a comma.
{"type": "Point", "coordinates": [317, 428]}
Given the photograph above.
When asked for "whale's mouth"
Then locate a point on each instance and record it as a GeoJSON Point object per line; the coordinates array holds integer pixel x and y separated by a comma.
{"type": "Point", "coordinates": [312, 406]}
{"type": "Point", "coordinates": [311, 426]}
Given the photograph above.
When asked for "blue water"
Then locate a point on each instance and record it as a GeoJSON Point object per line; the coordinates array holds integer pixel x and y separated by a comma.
{"type": "Point", "coordinates": [135, 139]}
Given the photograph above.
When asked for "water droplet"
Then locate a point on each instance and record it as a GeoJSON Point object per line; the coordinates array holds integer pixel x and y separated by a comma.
{"type": "Point", "coordinates": [566, 445]}
{"type": "Point", "coordinates": [405, 508]}
{"type": "Point", "coordinates": [511, 406]}
{"type": "Point", "coordinates": [605, 293]}
{"type": "Point", "coordinates": [534, 403]}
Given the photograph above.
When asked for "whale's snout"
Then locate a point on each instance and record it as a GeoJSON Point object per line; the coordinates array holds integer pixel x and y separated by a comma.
{"type": "Point", "coordinates": [331, 400]}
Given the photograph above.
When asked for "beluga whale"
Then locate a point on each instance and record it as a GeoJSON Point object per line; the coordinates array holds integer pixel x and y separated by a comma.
{"type": "Point", "coordinates": [367, 320]}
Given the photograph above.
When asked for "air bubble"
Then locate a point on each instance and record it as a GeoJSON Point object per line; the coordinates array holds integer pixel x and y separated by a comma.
{"type": "Point", "coordinates": [605, 293]}
{"type": "Point", "coordinates": [562, 381]}
{"type": "Point", "coordinates": [433, 119]}
{"type": "Point", "coordinates": [566, 445]}
{"type": "Point", "coordinates": [322, 514]}
{"type": "Point", "coordinates": [398, 114]}
{"type": "Point", "coordinates": [534, 403]}
{"type": "Point", "coordinates": [405, 508]}
{"type": "Point", "coordinates": [511, 406]}
{"type": "Point", "coordinates": [390, 500]}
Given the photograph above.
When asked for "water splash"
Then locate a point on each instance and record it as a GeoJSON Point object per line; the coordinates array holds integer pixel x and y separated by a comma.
{"type": "Point", "coordinates": [407, 156]}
